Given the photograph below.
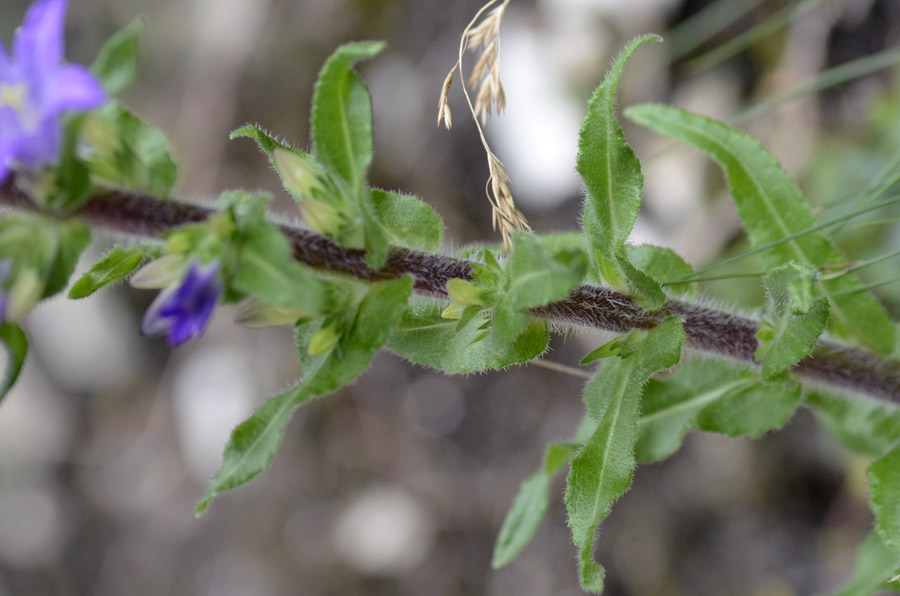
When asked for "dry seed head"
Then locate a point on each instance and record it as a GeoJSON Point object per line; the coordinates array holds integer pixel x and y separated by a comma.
{"type": "Point", "coordinates": [490, 96]}
{"type": "Point", "coordinates": [444, 109]}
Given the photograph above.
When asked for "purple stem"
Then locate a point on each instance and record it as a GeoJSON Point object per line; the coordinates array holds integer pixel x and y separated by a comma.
{"type": "Point", "coordinates": [707, 329]}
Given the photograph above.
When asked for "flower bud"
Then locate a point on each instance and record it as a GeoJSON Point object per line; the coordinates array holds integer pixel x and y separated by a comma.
{"type": "Point", "coordinates": [323, 340]}
{"type": "Point", "coordinates": [159, 273]}
{"type": "Point", "coordinates": [297, 173]}
{"type": "Point", "coordinates": [465, 293]}
{"type": "Point", "coordinates": [256, 313]}
{"type": "Point", "coordinates": [320, 216]}
{"type": "Point", "coordinates": [24, 294]}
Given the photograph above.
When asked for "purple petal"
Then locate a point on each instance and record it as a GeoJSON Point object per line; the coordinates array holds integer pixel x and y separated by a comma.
{"type": "Point", "coordinates": [40, 146]}
{"type": "Point", "coordinates": [153, 323]}
{"type": "Point", "coordinates": [7, 151]}
{"type": "Point", "coordinates": [5, 64]}
{"type": "Point", "coordinates": [38, 44]}
{"type": "Point", "coordinates": [72, 87]}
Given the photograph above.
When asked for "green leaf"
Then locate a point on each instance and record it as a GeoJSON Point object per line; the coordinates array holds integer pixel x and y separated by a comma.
{"type": "Point", "coordinates": [622, 346]}
{"type": "Point", "coordinates": [118, 263]}
{"type": "Point", "coordinates": [265, 141]}
{"type": "Point", "coordinates": [603, 468]}
{"type": "Point", "coordinates": [794, 321]}
{"type": "Point", "coordinates": [341, 120]}
{"type": "Point", "coordinates": [536, 277]}
{"type": "Point", "coordinates": [425, 338]}
{"type": "Point", "coordinates": [16, 345]}
{"type": "Point", "coordinates": [530, 506]}
{"type": "Point", "coordinates": [128, 152]}
{"type": "Point", "coordinates": [863, 425]}
{"type": "Point", "coordinates": [73, 238]}
{"type": "Point", "coordinates": [409, 221]}
{"type": "Point", "coordinates": [267, 270]}
{"type": "Point", "coordinates": [613, 181]}
{"type": "Point", "coordinates": [116, 63]}
{"type": "Point", "coordinates": [254, 442]}
{"type": "Point", "coordinates": [884, 496]}
{"type": "Point", "coordinates": [711, 396]}
{"type": "Point", "coordinates": [665, 266]}
{"type": "Point", "coordinates": [875, 566]}
{"type": "Point", "coordinates": [772, 208]}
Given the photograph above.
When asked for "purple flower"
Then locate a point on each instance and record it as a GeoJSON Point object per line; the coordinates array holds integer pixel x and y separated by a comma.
{"type": "Point", "coordinates": [36, 87]}
{"type": "Point", "coordinates": [183, 310]}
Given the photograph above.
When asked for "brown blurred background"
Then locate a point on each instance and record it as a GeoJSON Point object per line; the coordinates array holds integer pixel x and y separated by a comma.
{"type": "Point", "coordinates": [399, 483]}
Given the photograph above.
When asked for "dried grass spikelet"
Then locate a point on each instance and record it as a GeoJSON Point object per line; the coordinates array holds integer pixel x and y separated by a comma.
{"type": "Point", "coordinates": [490, 97]}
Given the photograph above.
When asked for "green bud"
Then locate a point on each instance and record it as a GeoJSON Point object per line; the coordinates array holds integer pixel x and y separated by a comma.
{"type": "Point", "coordinates": [297, 173]}
{"type": "Point", "coordinates": [24, 294]}
{"type": "Point", "coordinates": [465, 293]}
{"type": "Point", "coordinates": [323, 340]}
{"type": "Point", "coordinates": [320, 216]}
{"type": "Point", "coordinates": [255, 314]}
{"type": "Point", "coordinates": [100, 134]}
{"type": "Point", "coordinates": [160, 273]}
{"type": "Point", "coordinates": [453, 312]}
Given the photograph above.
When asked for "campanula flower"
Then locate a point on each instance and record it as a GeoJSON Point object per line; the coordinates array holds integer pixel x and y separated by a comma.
{"type": "Point", "coordinates": [36, 87]}
{"type": "Point", "coordinates": [183, 310]}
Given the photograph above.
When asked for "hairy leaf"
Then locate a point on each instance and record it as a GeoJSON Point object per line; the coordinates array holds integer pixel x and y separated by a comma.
{"type": "Point", "coordinates": [118, 263]}
{"type": "Point", "coordinates": [116, 63]}
{"type": "Point", "coordinates": [875, 566]}
{"type": "Point", "coordinates": [602, 470]}
{"type": "Point", "coordinates": [614, 183]}
{"type": "Point", "coordinates": [267, 270]}
{"type": "Point", "coordinates": [531, 504]}
{"type": "Point", "coordinates": [794, 319]}
{"type": "Point", "coordinates": [664, 265]}
{"type": "Point", "coordinates": [128, 152]}
{"type": "Point", "coordinates": [342, 114]}
{"type": "Point", "coordinates": [254, 442]}
{"type": "Point", "coordinates": [772, 208]}
{"type": "Point", "coordinates": [424, 337]}
{"type": "Point", "coordinates": [711, 396]}
{"type": "Point", "coordinates": [408, 220]}
{"type": "Point", "coordinates": [536, 277]}
{"type": "Point", "coordinates": [73, 236]}
{"type": "Point", "coordinates": [16, 345]}
{"type": "Point", "coordinates": [864, 425]}
{"type": "Point", "coordinates": [884, 496]}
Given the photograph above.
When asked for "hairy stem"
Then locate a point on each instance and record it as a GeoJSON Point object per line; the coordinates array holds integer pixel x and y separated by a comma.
{"type": "Point", "coordinates": [707, 329]}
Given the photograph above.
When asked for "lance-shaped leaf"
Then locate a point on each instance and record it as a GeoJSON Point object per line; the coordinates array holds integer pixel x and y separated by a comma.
{"type": "Point", "coordinates": [267, 270]}
{"type": "Point", "coordinates": [794, 319]}
{"type": "Point", "coordinates": [341, 120]}
{"type": "Point", "coordinates": [254, 442]}
{"type": "Point", "coordinates": [773, 211]}
{"type": "Point", "coordinates": [16, 345]}
{"type": "Point", "coordinates": [531, 504]}
{"type": "Point", "coordinates": [118, 263]}
{"type": "Point", "coordinates": [536, 277]}
{"type": "Point", "coordinates": [614, 184]}
{"type": "Point", "coordinates": [424, 337]}
{"type": "Point", "coordinates": [876, 565]}
{"type": "Point", "coordinates": [408, 220]}
{"type": "Point", "coordinates": [116, 63]}
{"type": "Point", "coordinates": [884, 497]}
{"type": "Point", "coordinates": [864, 425]}
{"type": "Point", "coordinates": [603, 468]}
{"type": "Point", "coordinates": [711, 396]}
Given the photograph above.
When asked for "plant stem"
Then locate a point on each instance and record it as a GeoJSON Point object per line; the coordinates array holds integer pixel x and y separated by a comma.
{"type": "Point", "coordinates": [707, 329]}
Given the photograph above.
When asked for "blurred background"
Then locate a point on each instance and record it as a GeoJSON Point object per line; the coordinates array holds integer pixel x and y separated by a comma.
{"type": "Point", "coordinates": [398, 484]}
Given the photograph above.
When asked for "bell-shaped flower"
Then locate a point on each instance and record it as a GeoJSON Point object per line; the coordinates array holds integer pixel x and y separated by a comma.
{"type": "Point", "coordinates": [36, 87]}
{"type": "Point", "coordinates": [183, 310]}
